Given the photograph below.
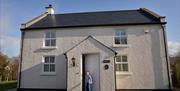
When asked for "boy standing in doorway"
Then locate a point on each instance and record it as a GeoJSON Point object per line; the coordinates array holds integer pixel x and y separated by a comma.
{"type": "Point", "coordinates": [88, 81]}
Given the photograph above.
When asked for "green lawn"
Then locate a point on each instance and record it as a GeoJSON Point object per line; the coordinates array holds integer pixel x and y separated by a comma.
{"type": "Point", "coordinates": [178, 74]}
{"type": "Point", "coordinates": [7, 85]}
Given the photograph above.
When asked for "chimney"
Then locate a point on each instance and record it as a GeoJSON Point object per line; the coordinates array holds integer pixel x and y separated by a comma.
{"type": "Point", "coordinates": [49, 9]}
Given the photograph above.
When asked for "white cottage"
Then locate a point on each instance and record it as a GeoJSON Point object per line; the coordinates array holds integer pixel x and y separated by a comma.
{"type": "Point", "coordinates": [121, 50]}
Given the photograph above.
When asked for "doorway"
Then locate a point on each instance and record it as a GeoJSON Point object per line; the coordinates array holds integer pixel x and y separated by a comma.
{"type": "Point", "coordinates": [91, 63]}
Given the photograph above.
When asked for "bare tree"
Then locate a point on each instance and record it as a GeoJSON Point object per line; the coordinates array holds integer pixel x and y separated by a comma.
{"type": "Point", "coordinates": [3, 64]}
{"type": "Point", "coordinates": [14, 69]}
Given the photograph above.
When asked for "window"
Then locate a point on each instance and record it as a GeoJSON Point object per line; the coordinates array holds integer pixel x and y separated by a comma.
{"type": "Point", "coordinates": [49, 64]}
{"type": "Point", "coordinates": [50, 39]}
{"type": "Point", "coordinates": [120, 37]}
{"type": "Point", "coordinates": [121, 63]}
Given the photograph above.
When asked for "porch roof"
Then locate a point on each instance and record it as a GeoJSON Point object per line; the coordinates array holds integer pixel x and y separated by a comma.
{"type": "Point", "coordinates": [93, 39]}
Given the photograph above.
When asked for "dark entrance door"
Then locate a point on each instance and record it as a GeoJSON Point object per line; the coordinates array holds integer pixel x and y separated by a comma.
{"type": "Point", "coordinates": [91, 65]}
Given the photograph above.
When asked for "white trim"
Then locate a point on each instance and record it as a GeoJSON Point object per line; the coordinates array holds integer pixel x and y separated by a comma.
{"type": "Point", "coordinates": [124, 73]}
{"type": "Point", "coordinates": [42, 69]}
{"type": "Point", "coordinates": [29, 23]}
{"type": "Point", "coordinates": [122, 45]}
{"type": "Point", "coordinates": [122, 63]}
{"type": "Point", "coordinates": [44, 40]}
{"type": "Point", "coordinates": [49, 48]}
{"type": "Point", "coordinates": [48, 73]}
{"type": "Point", "coordinates": [122, 36]}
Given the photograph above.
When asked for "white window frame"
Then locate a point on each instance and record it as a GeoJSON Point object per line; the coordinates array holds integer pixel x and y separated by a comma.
{"type": "Point", "coordinates": [120, 36]}
{"type": "Point", "coordinates": [43, 63]}
{"type": "Point", "coordinates": [121, 63]}
{"type": "Point", "coordinates": [44, 43]}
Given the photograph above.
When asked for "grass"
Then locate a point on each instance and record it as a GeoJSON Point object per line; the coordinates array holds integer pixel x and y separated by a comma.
{"type": "Point", "coordinates": [7, 85]}
{"type": "Point", "coordinates": [178, 73]}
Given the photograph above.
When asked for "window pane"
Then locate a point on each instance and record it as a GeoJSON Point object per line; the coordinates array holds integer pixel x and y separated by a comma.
{"type": "Point", "coordinates": [46, 68]}
{"type": "Point", "coordinates": [118, 67]}
{"type": "Point", "coordinates": [53, 35]}
{"type": "Point", "coordinates": [52, 67]}
{"type": "Point", "coordinates": [47, 43]}
{"type": "Point", "coordinates": [48, 34]}
{"type": "Point", "coordinates": [120, 37]}
{"type": "Point", "coordinates": [53, 42]}
{"type": "Point", "coordinates": [118, 33]}
{"type": "Point", "coordinates": [125, 67]}
{"type": "Point", "coordinates": [118, 58]}
{"type": "Point", "coordinates": [46, 59]}
{"type": "Point", "coordinates": [123, 33]}
{"type": "Point", "coordinates": [123, 40]}
{"type": "Point", "coordinates": [52, 59]}
{"type": "Point", "coordinates": [117, 40]}
{"type": "Point", "coordinates": [124, 58]}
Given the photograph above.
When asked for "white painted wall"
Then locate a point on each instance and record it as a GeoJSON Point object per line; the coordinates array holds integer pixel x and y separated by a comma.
{"type": "Point", "coordinates": [107, 78]}
{"type": "Point", "coordinates": [146, 56]}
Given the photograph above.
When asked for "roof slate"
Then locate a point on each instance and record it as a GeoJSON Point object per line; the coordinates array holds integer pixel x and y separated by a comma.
{"type": "Point", "coordinates": [125, 17]}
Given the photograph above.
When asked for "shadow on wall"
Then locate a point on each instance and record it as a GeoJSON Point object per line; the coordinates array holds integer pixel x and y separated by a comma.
{"type": "Point", "coordinates": [84, 31]}
{"type": "Point", "coordinates": [75, 32]}
{"type": "Point", "coordinates": [40, 80]}
{"type": "Point", "coordinates": [34, 77]}
{"type": "Point", "coordinates": [157, 61]}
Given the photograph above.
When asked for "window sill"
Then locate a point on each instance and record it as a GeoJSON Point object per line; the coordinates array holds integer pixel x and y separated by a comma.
{"type": "Point", "coordinates": [48, 73]}
{"type": "Point", "coordinates": [124, 73]}
{"type": "Point", "coordinates": [121, 45]}
{"type": "Point", "coordinates": [49, 48]}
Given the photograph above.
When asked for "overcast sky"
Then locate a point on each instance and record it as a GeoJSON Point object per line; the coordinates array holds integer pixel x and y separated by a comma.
{"type": "Point", "coordinates": [15, 12]}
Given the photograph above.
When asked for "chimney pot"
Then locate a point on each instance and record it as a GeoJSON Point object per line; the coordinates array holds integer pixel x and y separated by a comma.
{"type": "Point", "coordinates": [49, 9]}
{"type": "Point", "coordinates": [50, 5]}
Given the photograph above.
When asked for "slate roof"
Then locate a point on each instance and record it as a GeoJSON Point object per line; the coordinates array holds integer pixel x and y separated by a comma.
{"type": "Point", "coordinates": [125, 17]}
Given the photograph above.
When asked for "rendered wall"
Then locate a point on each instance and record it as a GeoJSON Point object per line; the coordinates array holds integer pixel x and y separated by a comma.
{"type": "Point", "coordinates": [146, 56]}
{"type": "Point", "coordinates": [107, 79]}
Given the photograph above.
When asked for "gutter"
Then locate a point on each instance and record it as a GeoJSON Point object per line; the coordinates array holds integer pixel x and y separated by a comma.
{"type": "Point", "coordinates": [166, 54]}
{"type": "Point", "coordinates": [77, 26]}
{"type": "Point", "coordinates": [115, 71]}
{"type": "Point", "coordinates": [20, 63]}
{"type": "Point", "coordinates": [66, 70]}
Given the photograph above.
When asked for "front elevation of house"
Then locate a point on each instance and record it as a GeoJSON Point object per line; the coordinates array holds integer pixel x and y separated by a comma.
{"type": "Point", "coordinates": [120, 49]}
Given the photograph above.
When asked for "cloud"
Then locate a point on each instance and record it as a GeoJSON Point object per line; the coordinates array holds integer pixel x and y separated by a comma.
{"type": "Point", "coordinates": [173, 48]}
{"type": "Point", "coordinates": [10, 45]}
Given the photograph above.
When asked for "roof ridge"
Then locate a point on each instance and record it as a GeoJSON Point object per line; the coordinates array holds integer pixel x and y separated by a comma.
{"type": "Point", "coordinates": [96, 12]}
